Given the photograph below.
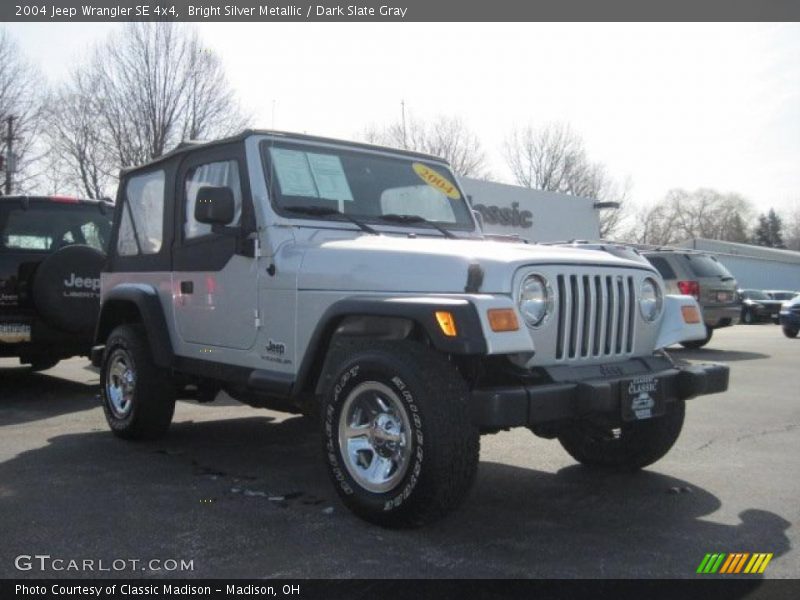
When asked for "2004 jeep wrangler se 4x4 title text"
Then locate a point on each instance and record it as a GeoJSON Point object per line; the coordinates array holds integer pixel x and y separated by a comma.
{"type": "Point", "coordinates": [353, 282]}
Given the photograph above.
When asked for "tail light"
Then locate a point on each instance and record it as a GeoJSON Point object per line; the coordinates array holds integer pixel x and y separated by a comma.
{"type": "Point", "coordinates": [690, 288]}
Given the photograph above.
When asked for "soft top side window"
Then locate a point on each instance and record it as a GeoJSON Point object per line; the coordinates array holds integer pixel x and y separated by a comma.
{"type": "Point", "coordinates": [141, 229]}
{"type": "Point", "coordinates": [213, 174]}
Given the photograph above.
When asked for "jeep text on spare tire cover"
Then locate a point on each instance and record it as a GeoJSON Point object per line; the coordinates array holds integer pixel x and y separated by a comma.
{"type": "Point", "coordinates": [352, 283]}
{"type": "Point", "coordinates": [51, 252]}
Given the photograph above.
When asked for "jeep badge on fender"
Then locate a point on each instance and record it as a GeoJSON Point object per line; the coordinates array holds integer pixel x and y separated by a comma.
{"type": "Point", "coordinates": [352, 283]}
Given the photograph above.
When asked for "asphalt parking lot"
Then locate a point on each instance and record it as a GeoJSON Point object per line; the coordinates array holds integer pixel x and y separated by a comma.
{"type": "Point", "coordinates": [242, 492]}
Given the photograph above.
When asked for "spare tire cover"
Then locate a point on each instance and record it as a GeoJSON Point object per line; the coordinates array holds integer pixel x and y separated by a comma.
{"type": "Point", "coordinates": [66, 289]}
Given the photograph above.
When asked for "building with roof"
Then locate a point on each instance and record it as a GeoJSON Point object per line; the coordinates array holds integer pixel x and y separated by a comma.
{"type": "Point", "coordinates": [754, 266]}
{"type": "Point", "coordinates": [533, 215]}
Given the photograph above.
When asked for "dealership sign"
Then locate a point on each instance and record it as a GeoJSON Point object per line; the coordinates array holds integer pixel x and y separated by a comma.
{"type": "Point", "coordinates": [512, 217]}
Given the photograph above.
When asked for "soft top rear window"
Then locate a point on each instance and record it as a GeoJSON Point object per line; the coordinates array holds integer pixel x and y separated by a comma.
{"type": "Point", "coordinates": [47, 226]}
{"type": "Point", "coordinates": [703, 265]}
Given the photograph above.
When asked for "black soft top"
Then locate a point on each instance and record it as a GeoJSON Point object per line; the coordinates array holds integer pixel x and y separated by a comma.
{"type": "Point", "coordinates": [191, 146]}
{"type": "Point", "coordinates": [54, 199]}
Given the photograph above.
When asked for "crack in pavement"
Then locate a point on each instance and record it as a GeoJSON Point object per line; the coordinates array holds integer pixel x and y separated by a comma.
{"type": "Point", "coordinates": [747, 436]}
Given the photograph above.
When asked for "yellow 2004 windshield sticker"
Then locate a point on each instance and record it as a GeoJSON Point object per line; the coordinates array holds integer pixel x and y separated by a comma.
{"type": "Point", "coordinates": [437, 181]}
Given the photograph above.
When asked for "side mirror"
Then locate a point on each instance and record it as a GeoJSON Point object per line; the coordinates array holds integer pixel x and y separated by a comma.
{"type": "Point", "coordinates": [479, 218]}
{"type": "Point", "coordinates": [214, 205]}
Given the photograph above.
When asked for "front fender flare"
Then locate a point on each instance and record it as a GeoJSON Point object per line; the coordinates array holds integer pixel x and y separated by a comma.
{"type": "Point", "coordinates": [144, 298]}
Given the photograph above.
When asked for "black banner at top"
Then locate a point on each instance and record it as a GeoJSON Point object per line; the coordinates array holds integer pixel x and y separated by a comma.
{"type": "Point", "coordinates": [399, 10]}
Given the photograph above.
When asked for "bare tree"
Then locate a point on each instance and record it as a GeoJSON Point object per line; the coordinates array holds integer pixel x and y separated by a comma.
{"type": "Point", "coordinates": [141, 93]}
{"type": "Point", "coordinates": [703, 213]}
{"type": "Point", "coordinates": [447, 137]}
{"type": "Point", "coordinates": [157, 85]}
{"type": "Point", "coordinates": [791, 221]}
{"type": "Point", "coordinates": [553, 158]}
{"type": "Point", "coordinates": [21, 88]}
{"type": "Point", "coordinates": [80, 160]}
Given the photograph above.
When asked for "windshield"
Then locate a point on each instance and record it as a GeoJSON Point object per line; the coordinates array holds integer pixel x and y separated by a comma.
{"type": "Point", "coordinates": [362, 184]}
{"type": "Point", "coordinates": [754, 295]}
{"type": "Point", "coordinates": [47, 226]}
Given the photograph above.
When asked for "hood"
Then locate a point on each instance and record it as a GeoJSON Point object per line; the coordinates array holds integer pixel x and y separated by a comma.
{"type": "Point", "coordinates": [433, 265]}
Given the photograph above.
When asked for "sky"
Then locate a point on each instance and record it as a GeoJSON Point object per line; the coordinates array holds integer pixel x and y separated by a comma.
{"type": "Point", "coordinates": [663, 105]}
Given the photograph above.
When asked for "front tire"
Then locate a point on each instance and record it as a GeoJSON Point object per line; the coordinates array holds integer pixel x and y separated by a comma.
{"type": "Point", "coordinates": [790, 332]}
{"type": "Point", "coordinates": [635, 445]}
{"type": "Point", "coordinates": [138, 397]}
{"type": "Point", "coordinates": [399, 444]}
{"type": "Point", "coordinates": [695, 344]}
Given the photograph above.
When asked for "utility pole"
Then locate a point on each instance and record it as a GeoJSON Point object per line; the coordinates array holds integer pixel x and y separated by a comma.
{"type": "Point", "coordinates": [9, 162]}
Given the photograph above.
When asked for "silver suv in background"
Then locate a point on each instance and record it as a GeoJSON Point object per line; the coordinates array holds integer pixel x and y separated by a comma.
{"type": "Point", "coordinates": [703, 276]}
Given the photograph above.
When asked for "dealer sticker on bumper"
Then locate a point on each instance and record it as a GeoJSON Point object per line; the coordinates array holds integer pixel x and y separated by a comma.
{"type": "Point", "coordinates": [642, 399]}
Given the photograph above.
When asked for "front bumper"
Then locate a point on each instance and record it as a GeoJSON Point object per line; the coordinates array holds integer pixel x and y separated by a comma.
{"type": "Point", "coordinates": [588, 391]}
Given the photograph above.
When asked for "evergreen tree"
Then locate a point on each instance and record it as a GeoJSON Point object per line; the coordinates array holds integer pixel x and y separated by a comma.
{"type": "Point", "coordinates": [775, 229]}
{"type": "Point", "coordinates": [769, 231]}
{"type": "Point", "coordinates": [761, 233]}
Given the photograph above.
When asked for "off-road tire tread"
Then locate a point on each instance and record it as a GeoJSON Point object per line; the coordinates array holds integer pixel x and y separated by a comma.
{"type": "Point", "coordinates": [453, 462]}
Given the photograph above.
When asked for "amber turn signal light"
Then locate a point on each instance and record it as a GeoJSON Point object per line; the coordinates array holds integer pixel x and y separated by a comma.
{"type": "Point", "coordinates": [502, 319]}
{"type": "Point", "coordinates": [690, 314]}
{"type": "Point", "coordinates": [447, 323]}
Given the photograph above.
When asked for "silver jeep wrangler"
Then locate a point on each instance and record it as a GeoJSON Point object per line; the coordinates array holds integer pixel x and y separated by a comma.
{"type": "Point", "coordinates": [352, 282]}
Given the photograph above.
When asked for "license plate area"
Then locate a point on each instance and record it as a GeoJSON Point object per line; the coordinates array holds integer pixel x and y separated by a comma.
{"type": "Point", "coordinates": [14, 333]}
{"type": "Point", "coordinates": [724, 297]}
{"type": "Point", "coordinates": [642, 398]}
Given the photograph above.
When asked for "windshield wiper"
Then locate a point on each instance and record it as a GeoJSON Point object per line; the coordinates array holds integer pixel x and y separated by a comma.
{"type": "Point", "coordinates": [322, 211]}
{"type": "Point", "coordinates": [411, 219]}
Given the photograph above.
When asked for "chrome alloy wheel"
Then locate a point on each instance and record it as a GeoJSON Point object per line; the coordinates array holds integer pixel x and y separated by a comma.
{"type": "Point", "coordinates": [120, 383]}
{"type": "Point", "coordinates": [375, 436]}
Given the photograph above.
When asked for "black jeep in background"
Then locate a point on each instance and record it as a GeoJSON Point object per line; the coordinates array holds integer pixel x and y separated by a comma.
{"type": "Point", "coordinates": [51, 252]}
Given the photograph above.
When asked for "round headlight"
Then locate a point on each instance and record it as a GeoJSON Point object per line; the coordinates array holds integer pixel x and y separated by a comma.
{"type": "Point", "coordinates": [650, 300]}
{"type": "Point", "coordinates": [535, 299]}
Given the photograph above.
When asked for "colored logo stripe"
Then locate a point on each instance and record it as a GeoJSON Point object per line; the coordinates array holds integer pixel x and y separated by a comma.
{"type": "Point", "coordinates": [734, 563]}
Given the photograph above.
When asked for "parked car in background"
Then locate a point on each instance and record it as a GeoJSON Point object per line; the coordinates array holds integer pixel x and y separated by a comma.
{"type": "Point", "coordinates": [782, 295]}
{"type": "Point", "coordinates": [51, 252]}
{"type": "Point", "coordinates": [790, 317]}
{"type": "Point", "coordinates": [758, 305]}
{"type": "Point", "coordinates": [703, 276]}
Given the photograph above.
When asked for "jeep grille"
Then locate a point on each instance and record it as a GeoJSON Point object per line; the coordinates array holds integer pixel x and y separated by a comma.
{"type": "Point", "coordinates": [595, 316]}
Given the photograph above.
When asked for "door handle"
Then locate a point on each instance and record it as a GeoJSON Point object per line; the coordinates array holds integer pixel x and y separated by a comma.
{"type": "Point", "coordinates": [187, 287]}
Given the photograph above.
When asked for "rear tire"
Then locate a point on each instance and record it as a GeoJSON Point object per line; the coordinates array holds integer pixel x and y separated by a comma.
{"type": "Point", "coordinates": [747, 317]}
{"type": "Point", "coordinates": [399, 443]}
{"type": "Point", "coordinates": [695, 344]}
{"type": "Point", "coordinates": [790, 332]}
{"type": "Point", "coordinates": [138, 397]}
{"type": "Point", "coordinates": [640, 443]}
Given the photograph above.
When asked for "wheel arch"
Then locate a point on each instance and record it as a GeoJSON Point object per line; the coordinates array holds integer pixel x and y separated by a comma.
{"type": "Point", "coordinates": [136, 303]}
{"type": "Point", "coordinates": [388, 319]}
